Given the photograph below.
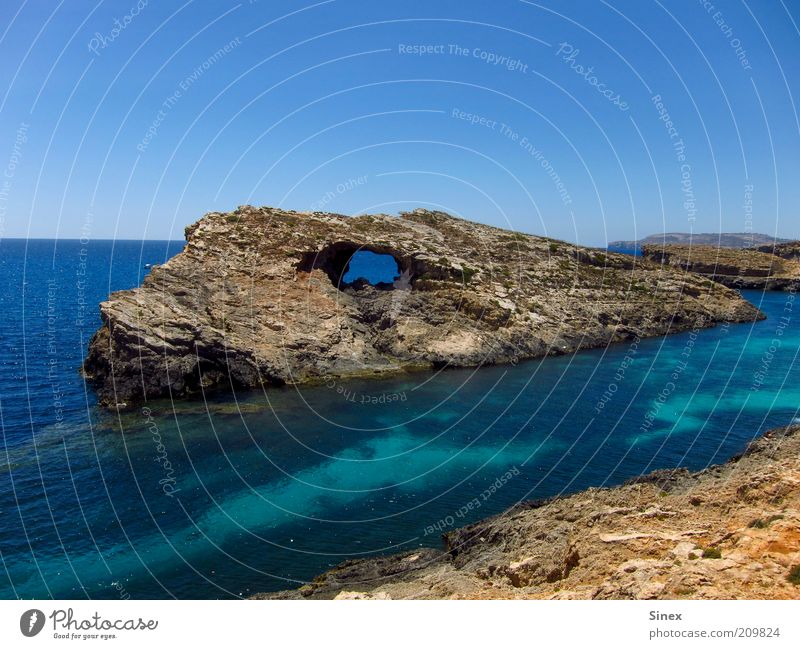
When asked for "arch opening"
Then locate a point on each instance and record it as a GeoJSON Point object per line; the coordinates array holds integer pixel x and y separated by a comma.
{"type": "Point", "coordinates": [350, 266]}
{"type": "Point", "coordinates": [372, 267]}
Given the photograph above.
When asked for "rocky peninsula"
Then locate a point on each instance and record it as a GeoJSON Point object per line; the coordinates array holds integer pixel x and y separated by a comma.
{"type": "Point", "coordinates": [731, 531]}
{"type": "Point", "coordinates": [257, 297]}
{"type": "Point", "coordinates": [770, 268]}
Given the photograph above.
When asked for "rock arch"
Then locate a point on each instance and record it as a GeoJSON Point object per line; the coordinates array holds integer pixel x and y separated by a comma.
{"type": "Point", "coordinates": [334, 261]}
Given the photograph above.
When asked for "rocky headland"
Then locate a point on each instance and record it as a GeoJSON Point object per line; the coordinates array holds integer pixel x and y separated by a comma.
{"type": "Point", "coordinates": [257, 297]}
{"type": "Point", "coordinates": [731, 531]}
{"type": "Point", "coordinates": [774, 268]}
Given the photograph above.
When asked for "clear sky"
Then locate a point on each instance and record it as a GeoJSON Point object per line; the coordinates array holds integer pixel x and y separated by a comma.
{"type": "Point", "coordinates": [587, 121]}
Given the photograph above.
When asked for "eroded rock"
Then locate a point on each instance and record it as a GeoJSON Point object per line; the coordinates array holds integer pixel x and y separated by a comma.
{"type": "Point", "coordinates": [257, 297]}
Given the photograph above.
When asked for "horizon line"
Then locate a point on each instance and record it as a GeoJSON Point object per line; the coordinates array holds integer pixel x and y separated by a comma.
{"type": "Point", "coordinates": [610, 241]}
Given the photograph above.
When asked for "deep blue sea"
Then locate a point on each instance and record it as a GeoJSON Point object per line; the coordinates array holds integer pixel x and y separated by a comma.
{"type": "Point", "coordinates": [263, 490]}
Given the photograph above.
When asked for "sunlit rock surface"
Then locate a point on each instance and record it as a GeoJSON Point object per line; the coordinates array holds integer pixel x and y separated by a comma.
{"type": "Point", "coordinates": [257, 297]}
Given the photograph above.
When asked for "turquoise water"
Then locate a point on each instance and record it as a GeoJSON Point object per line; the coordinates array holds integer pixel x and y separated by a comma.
{"type": "Point", "coordinates": [263, 490]}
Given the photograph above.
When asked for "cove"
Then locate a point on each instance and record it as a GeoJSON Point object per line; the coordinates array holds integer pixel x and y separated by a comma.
{"type": "Point", "coordinates": [270, 488]}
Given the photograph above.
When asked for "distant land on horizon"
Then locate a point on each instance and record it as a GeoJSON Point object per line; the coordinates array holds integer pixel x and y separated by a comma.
{"type": "Point", "coordinates": [721, 239]}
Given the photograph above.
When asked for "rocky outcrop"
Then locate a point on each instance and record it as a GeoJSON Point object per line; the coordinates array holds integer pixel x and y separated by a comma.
{"type": "Point", "coordinates": [257, 296]}
{"type": "Point", "coordinates": [787, 250]}
{"type": "Point", "coordinates": [731, 531]}
{"type": "Point", "coordinates": [739, 269]}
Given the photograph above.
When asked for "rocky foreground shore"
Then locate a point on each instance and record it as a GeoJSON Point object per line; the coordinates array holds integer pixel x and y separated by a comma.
{"type": "Point", "coordinates": [731, 531]}
{"type": "Point", "coordinates": [773, 268]}
{"type": "Point", "coordinates": [257, 297]}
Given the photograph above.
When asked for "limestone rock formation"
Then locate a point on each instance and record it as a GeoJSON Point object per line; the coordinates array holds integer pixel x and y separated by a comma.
{"type": "Point", "coordinates": [729, 532]}
{"type": "Point", "coordinates": [786, 250]}
{"type": "Point", "coordinates": [734, 268]}
{"type": "Point", "coordinates": [257, 297]}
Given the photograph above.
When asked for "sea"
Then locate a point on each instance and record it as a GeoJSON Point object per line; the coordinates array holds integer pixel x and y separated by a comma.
{"type": "Point", "coordinates": [231, 494]}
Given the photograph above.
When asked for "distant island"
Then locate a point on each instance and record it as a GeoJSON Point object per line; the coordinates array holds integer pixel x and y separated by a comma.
{"type": "Point", "coordinates": [719, 239]}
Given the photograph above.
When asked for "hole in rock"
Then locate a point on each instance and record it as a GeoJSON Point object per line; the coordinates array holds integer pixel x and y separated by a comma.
{"type": "Point", "coordinates": [349, 265]}
{"type": "Point", "coordinates": [373, 267]}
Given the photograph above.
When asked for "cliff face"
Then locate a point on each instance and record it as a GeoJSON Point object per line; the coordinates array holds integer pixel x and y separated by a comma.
{"type": "Point", "coordinates": [734, 268]}
{"type": "Point", "coordinates": [729, 532]}
{"type": "Point", "coordinates": [257, 297]}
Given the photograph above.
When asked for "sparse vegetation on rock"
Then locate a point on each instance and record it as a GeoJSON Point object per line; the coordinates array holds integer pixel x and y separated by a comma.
{"type": "Point", "coordinates": [257, 297]}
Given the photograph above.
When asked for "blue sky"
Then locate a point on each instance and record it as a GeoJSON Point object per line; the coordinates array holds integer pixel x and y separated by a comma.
{"type": "Point", "coordinates": [587, 121]}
